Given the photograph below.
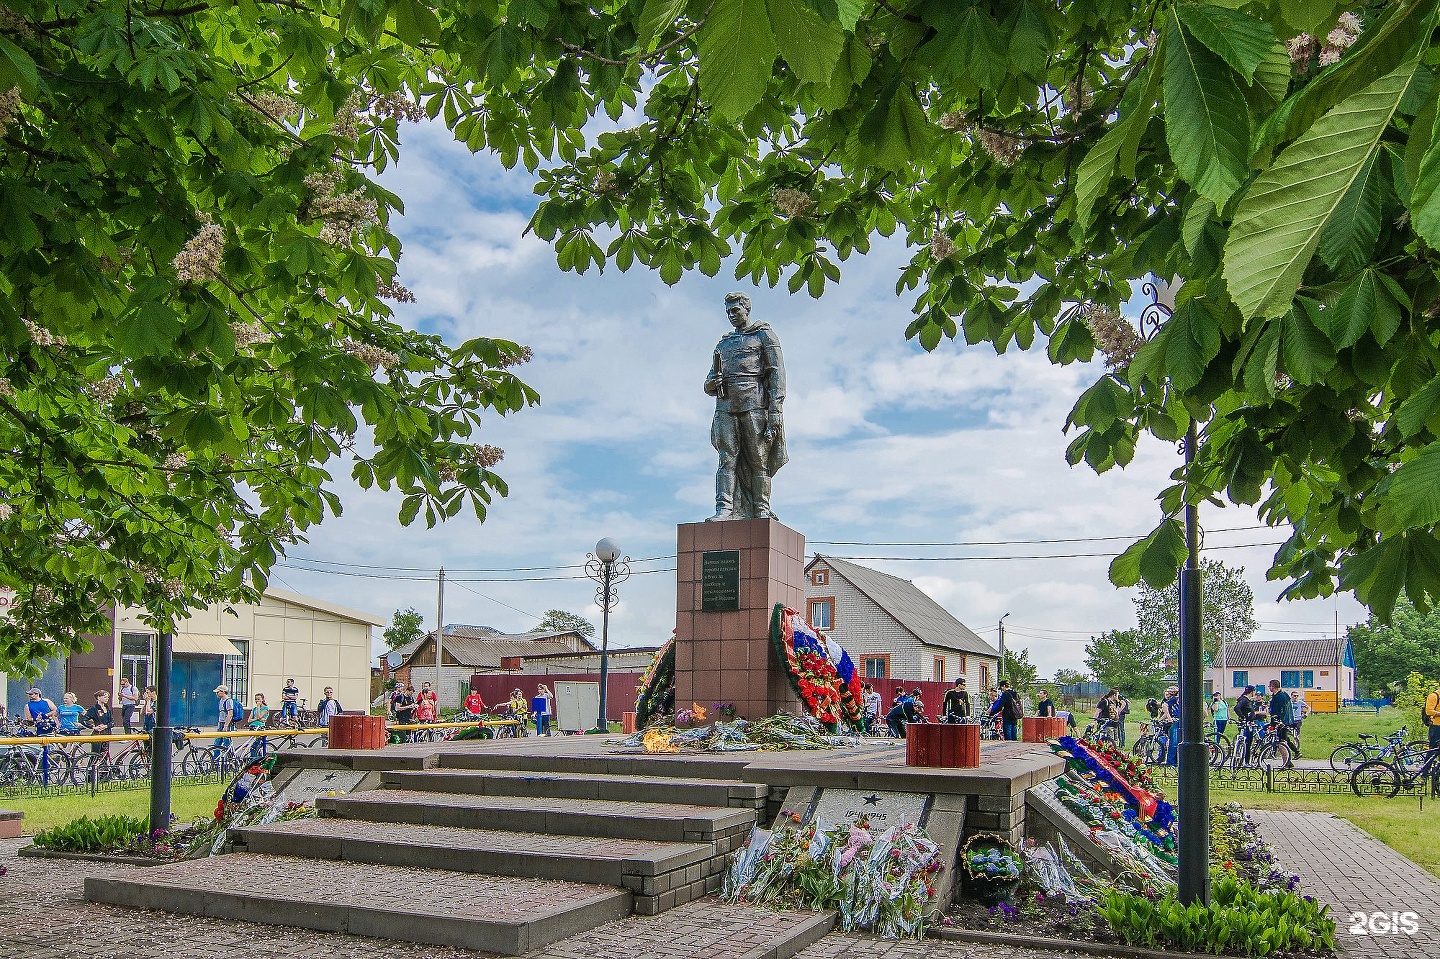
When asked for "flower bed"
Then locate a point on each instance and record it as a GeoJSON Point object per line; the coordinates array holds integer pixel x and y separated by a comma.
{"type": "Point", "coordinates": [879, 881]}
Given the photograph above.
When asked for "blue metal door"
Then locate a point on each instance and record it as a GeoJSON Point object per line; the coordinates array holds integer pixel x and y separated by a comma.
{"type": "Point", "coordinates": [192, 685]}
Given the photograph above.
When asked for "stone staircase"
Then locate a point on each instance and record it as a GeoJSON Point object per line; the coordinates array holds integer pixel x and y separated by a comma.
{"type": "Point", "coordinates": [485, 851]}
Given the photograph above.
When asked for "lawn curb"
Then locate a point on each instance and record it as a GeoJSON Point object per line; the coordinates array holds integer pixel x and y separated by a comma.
{"type": "Point", "coordinates": [953, 934]}
{"type": "Point", "coordinates": [35, 852]}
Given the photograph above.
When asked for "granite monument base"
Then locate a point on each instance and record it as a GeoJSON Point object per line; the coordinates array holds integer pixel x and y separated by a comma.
{"type": "Point", "coordinates": [729, 575]}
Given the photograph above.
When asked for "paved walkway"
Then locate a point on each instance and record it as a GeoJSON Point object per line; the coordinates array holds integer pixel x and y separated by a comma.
{"type": "Point", "coordinates": [1362, 879]}
{"type": "Point", "coordinates": [43, 915]}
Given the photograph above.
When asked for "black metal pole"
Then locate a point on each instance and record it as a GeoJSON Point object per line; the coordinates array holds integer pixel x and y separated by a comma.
{"type": "Point", "coordinates": [1193, 754]}
{"type": "Point", "coordinates": [160, 737]}
{"type": "Point", "coordinates": [603, 722]}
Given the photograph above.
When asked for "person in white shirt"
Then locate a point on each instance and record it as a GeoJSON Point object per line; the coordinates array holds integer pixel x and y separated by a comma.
{"type": "Point", "coordinates": [329, 706]}
{"type": "Point", "coordinates": [129, 699]}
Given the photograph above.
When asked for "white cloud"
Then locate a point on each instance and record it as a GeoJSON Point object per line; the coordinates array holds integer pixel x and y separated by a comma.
{"type": "Point", "coordinates": [888, 444]}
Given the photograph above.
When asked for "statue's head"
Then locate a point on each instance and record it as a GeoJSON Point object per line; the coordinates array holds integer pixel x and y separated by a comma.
{"type": "Point", "coordinates": [737, 307]}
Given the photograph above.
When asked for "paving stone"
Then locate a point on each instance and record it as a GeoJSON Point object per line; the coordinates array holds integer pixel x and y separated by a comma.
{"type": "Point", "coordinates": [1358, 875]}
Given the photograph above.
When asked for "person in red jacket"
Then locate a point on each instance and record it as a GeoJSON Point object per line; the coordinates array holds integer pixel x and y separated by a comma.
{"type": "Point", "coordinates": [474, 705]}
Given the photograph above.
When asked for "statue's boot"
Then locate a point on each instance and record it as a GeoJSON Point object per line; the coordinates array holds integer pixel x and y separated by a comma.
{"type": "Point", "coordinates": [724, 494]}
{"type": "Point", "coordinates": [762, 497]}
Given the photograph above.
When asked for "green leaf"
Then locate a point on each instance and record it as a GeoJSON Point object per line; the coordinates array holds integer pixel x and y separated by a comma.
{"type": "Point", "coordinates": [1388, 41]}
{"type": "Point", "coordinates": [1207, 119]}
{"type": "Point", "coordinates": [658, 17]}
{"type": "Point", "coordinates": [1410, 497]}
{"type": "Point", "coordinates": [1366, 304]}
{"type": "Point", "coordinates": [1181, 350]}
{"type": "Point", "coordinates": [1119, 145]}
{"type": "Point", "coordinates": [1156, 559]}
{"type": "Point", "coordinates": [737, 51]}
{"type": "Point", "coordinates": [1348, 240]}
{"type": "Point", "coordinates": [1425, 185]}
{"type": "Point", "coordinates": [896, 128]}
{"type": "Point", "coordinates": [1240, 40]}
{"type": "Point", "coordinates": [149, 331]}
{"type": "Point", "coordinates": [1418, 408]}
{"type": "Point", "coordinates": [17, 69]}
{"type": "Point", "coordinates": [1280, 219]}
{"type": "Point", "coordinates": [1307, 353]}
{"type": "Point", "coordinates": [1273, 74]}
{"type": "Point", "coordinates": [809, 43]}
{"type": "Point", "coordinates": [1030, 38]}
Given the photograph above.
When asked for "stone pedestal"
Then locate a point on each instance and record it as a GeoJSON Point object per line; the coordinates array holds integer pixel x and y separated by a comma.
{"type": "Point", "coordinates": [725, 655]}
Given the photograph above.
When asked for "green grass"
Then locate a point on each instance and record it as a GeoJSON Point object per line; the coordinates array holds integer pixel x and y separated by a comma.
{"type": "Point", "coordinates": [1398, 822]}
{"type": "Point", "coordinates": [186, 802]}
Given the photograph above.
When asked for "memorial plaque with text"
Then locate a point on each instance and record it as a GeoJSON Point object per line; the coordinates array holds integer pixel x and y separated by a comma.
{"type": "Point", "coordinates": [884, 809]}
{"type": "Point", "coordinates": [720, 581]}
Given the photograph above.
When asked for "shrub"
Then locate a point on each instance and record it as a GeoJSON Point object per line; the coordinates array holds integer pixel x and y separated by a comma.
{"type": "Point", "coordinates": [92, 835]}
{"type": "Point", "coordinates": [1240, 920]}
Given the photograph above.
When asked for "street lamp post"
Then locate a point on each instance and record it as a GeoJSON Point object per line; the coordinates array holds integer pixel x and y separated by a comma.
{"type": "Point", "coordinates": [1192, 755]}
{"type": "Point", "coordinates": [609, 569]}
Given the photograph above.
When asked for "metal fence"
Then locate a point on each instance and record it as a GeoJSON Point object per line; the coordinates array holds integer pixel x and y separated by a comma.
{"type": "Point", "coordinates": [1313, 781]}
{"type": "Point", "coordinates": [91, 788]}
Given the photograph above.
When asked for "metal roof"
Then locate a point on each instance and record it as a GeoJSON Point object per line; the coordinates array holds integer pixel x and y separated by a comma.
{"type": "Point", "coordinates": [1289, 652]}
{"type": "Point", "coordinates": [926, 619]}
{"type": "Point", "coordinates": [483, 647]}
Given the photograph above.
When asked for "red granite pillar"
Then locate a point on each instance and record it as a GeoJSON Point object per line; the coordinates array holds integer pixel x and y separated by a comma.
{"type": "Point", "coordinates": [724, 655]}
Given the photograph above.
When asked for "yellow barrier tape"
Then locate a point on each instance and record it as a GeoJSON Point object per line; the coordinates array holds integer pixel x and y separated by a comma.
{"type": "Point", "coordinates": [85, 739]}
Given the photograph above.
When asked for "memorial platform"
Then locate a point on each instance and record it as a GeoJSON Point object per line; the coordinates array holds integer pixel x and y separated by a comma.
{"type": "Point", "coordinates": [568, 832]}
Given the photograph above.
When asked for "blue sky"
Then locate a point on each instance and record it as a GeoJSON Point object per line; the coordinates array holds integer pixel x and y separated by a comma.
{"type": "Point", "coordinates": [888, 443]}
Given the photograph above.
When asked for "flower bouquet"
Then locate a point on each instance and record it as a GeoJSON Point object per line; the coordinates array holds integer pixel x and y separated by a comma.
{"type": "Point", "coordinates": [991, 868]}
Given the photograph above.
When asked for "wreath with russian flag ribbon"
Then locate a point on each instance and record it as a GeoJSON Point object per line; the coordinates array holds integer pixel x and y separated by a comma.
{"type": "Point", "coordinates": [820, 672]}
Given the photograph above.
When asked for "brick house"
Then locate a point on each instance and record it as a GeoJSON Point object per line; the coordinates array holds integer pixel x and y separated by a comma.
{"type": "Point", "coordinates": [891, 629]}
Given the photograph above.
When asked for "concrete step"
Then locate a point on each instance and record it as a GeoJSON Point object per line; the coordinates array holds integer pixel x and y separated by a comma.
{"type": "Point", "coordinates": [496, 782]}
{"type": "Point", "coordinates": [688, 766]}
{"type": "Point", "coordinates": [660, 874]}
{"type": "Point", "coordinates": [659, 822]}
{"type": "Point", "coordinates": [431, 906]}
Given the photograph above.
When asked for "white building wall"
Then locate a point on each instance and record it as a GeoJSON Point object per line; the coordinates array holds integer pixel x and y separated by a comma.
{"type": "Point", "coordinates": [863, 628]}
{"type": "Point", "coordinates": [1325, 677]}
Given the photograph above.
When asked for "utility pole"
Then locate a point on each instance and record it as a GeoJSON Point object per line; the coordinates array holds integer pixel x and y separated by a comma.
{"type": "Point", "coordinates": [1001, 670]}
{"type": "Point", "coordinates": [160, 737]}
{"type": "Point", "coordinates": [439, 639]}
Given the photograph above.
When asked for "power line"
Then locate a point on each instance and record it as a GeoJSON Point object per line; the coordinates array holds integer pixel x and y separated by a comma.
{"type": "Point", "coordinates": [495, 601]}
{"type": "Point", "coordinates": [433, 569]}
{"type": "Point", "coordinates": [962, 559]}
{"type": "Point", "coordinates": [449, 579]}
{"type": "Point", "coordinates": [1023, 542]}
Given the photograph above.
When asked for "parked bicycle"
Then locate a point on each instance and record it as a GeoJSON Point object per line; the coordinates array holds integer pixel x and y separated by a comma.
{"type": "Point", "coordinates": [1347, 757]}
{"type": "Point", "coordinates": [1102, 731]}
{"type": "Point", "coordinates": [33, 766]}
{"type": "Point", "coordinates": [1386, 777]}
{"type": "Point", "coordinates": [1262, 746]}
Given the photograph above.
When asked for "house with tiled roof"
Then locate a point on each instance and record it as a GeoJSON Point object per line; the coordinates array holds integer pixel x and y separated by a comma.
{"type": "Point", "coordinates": [1322, 670]}
{"type": "Point", "coordinates": [892, 629]}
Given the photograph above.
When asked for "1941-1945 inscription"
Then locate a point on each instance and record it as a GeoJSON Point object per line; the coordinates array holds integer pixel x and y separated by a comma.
{"type": "Point", "coordinates": [720, 581]}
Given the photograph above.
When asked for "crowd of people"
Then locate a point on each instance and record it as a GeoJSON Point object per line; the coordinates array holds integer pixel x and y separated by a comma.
{"type": "Point", "coordinates": [1001, 707]}
{"type": "Point", "coordinates": [409, 706]}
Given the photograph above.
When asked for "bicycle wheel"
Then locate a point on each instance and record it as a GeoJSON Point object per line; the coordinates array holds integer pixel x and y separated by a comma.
{"type": "Point", "coordinates": [62, 769]}
{"type": "Point", "coordinates": [1413, 752]}
{"type": "Point", "coordinates": [139, 765]}
{"type": "Point", "coordinates": [1273, 756]}
{"type": "Point", "coordinates": [1217, 754]}
{"type": "Point", "coordinates": [1375, 778]}
{"type": "Point", "coordinates": [1345, 759]}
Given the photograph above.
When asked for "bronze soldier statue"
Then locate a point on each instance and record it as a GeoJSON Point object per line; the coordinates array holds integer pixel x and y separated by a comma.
{"type": "Point", "coordinates": [747, 379]}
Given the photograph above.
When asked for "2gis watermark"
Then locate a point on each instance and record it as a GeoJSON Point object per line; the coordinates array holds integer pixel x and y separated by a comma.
{"type": "Point", "coordinates": [1384, 924]}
